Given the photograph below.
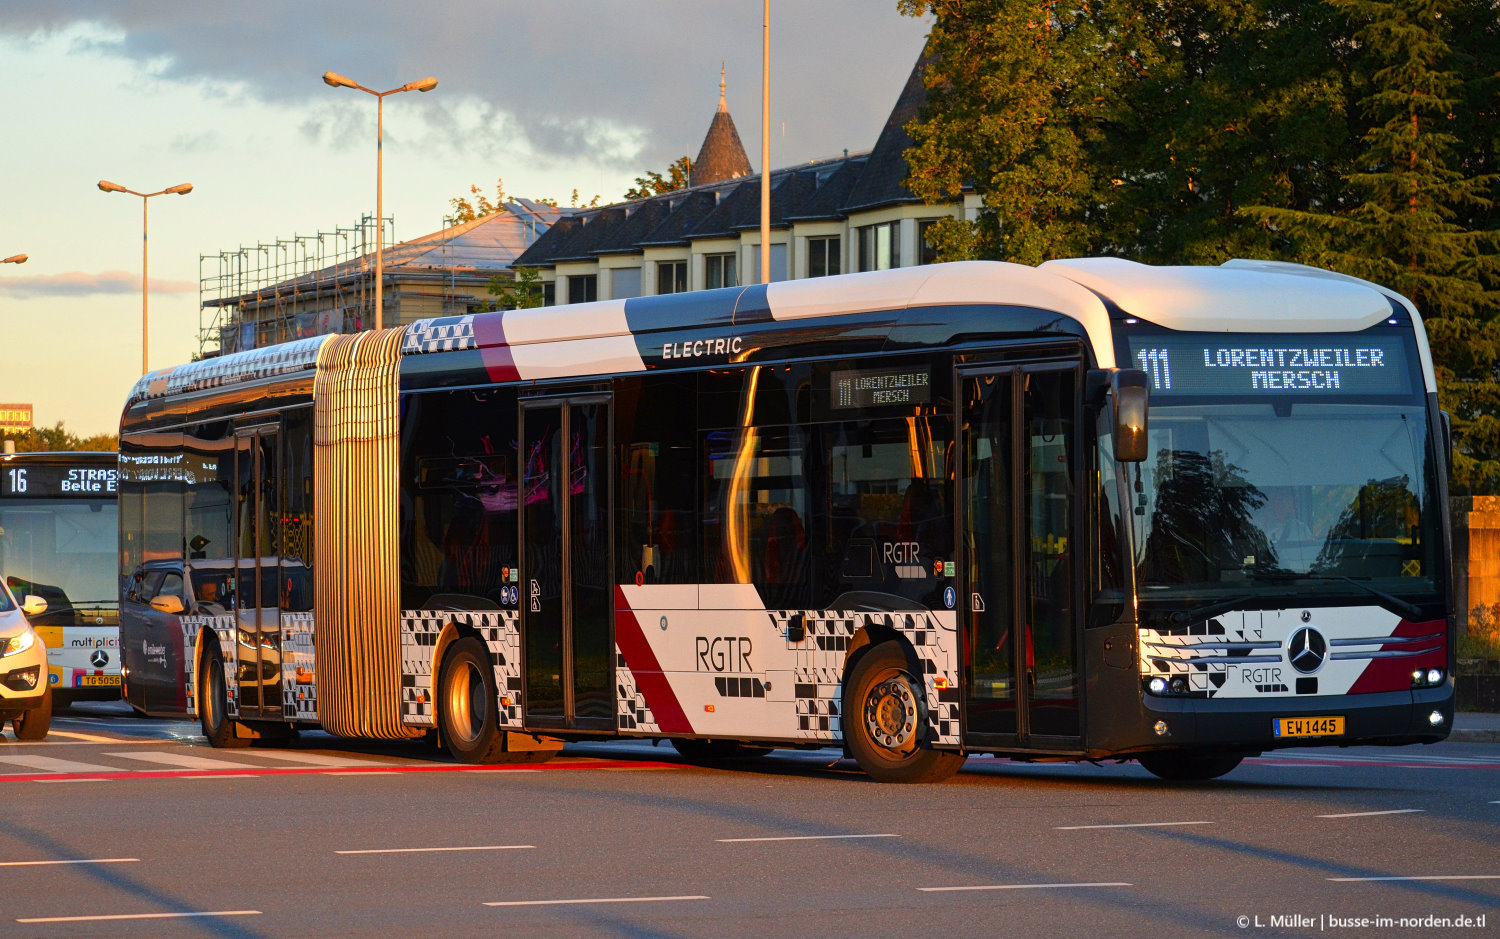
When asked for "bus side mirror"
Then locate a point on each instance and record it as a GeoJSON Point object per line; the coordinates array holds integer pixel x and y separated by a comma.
{"type": "Point", "coordinates": [33, 605]}
{"type": "Point", "coordinates": [1129, 394]}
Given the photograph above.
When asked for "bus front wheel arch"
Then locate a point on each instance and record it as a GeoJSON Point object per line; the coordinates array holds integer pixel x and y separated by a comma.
{"type": "Point", "coordinates": [885, 720]}
{"type": "Point", "coordinates": [221, 730]}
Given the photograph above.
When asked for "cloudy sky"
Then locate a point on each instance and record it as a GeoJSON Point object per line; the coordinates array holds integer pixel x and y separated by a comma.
{"type": "Point", "coordinates": [584, 94]}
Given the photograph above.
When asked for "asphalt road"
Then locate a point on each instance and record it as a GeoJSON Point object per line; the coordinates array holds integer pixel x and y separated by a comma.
{"type": "Point", "coordinates": [121, 826]}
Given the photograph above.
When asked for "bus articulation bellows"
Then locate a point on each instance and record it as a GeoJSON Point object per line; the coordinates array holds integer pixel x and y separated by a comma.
{"type": "Point", "coordinates": [1094, 509]}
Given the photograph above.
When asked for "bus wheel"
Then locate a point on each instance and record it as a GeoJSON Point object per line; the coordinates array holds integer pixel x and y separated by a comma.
{"type": "Point", "coordinates": [467, 706]}
{"type": "Point", "coordinates": [213, 704]}
{"type": "Point", "coordinates": [1188, 766]}
{"type": "Point", "coordinates": [712, 751]}
{"type": "Point", "coordinates": [33, 724]}
{"type": "Point", "coordinates": [885, 721]}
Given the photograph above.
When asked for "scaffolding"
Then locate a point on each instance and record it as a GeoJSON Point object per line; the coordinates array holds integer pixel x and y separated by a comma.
{"type": "Point", "coordinates": [305, 284]}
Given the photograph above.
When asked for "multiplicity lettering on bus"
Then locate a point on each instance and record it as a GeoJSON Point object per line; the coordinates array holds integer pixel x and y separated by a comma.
{"type": "Point", "coordinates": [1289, 369]}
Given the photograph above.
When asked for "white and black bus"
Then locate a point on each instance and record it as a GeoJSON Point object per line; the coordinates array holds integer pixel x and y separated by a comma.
{"type": "Point", "coordinates": [917, 513]}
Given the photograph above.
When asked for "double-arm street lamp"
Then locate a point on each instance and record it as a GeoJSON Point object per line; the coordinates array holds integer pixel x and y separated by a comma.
{"type": "Point", "coordinates": [15, 259]}
{"type": "Point", "coordinates": [335, 80]}
{"type": "Point", "coordinates": [180, 189]}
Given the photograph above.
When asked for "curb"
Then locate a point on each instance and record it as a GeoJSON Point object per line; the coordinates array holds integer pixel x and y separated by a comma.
{"type": "Point", "coordinates": [1465, 735]}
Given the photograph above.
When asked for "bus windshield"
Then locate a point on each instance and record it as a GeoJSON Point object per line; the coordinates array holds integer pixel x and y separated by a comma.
{"type": "Point", "coordinates": [61, 550]}
{"type": "Point", "coordinates": [1255, 498]}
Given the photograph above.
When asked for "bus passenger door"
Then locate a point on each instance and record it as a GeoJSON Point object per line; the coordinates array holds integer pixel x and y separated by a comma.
{"type": "Point", "coordinates": [567, 625]}
{"type": "Point", "coordinates": [1018, 432]}
{"type": "Point", "coordinates": [257, 601]}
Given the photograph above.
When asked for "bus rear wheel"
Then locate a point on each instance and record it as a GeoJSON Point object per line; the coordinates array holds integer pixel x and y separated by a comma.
{"type": "Point", "coordinates": [34, 724]}
{"type": "Point", "coordinates": [467, 705]}
{"type": "Point", "coordinates": [1189, 766]}
{"type": "Point", "coordinates": [213, 704]}
{"type": "Point", "coordinates": [885, 721]}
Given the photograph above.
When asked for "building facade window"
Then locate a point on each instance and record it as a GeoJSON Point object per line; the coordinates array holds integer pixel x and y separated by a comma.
{"type": "Point", "coordinates": [583, 288]}
{"type": "Point", "coordinates": [719, 271]}
{"type": "Point", "coordinates": [671, 277]}
{"type": "Point", "coordinates": [926, 253]}
{"type": "Point", "coordinates": [824, 256]}
{"type": "Point", "coordinates": [879, 246]}
{"type": "Point", "coordinates": [549, 293]}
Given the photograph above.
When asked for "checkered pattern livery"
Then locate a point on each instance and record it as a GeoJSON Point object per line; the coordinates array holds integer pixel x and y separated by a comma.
{"type": "Point", "coordinates": [419, 635]}
{"type": "Point", "coordinates": [820, 660]}
{"type": "Point", "coordinates": [635, 716]}
{"type": "Point", "coordinates": [299, 686]}
{"type": "Point", "coordinates": [298, 355]}
{"type": "Point", "coordinates": [223, 626]}
{"type": "Point", "coordinates": [442, 334]}
{"type": "Point", "coordinates": [1203, 652]}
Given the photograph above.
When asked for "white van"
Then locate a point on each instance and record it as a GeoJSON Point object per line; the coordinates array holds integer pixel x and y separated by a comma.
{"type": "Point", "coordinates": [25, 694]}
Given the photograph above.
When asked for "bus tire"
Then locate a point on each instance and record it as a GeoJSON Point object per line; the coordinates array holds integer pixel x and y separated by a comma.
{"type": "Point", "coordinates": [714, 751]}
{"type": "Point", "coordinates": [467, 706]}
{"type": "Point", "coordinates": [885, 721]}
{"type": "Point", "coordinates": [213, 704]}
{"type": "Point", "coordinates": [1188, 765]}
{"type": "Point", "coordinates": [34, 724]}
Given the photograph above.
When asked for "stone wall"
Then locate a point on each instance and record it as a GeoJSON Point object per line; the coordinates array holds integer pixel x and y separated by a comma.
{"type": "Point", "coordinates": [1476, 556]}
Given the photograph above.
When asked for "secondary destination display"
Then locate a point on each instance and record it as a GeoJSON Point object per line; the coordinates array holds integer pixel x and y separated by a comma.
{"type": "Point", "coordinates": [1294, 363]}
{"type": "Point", "coordinates": [867, 388]}
{"type": "Point", "coordinates": [57, 480]}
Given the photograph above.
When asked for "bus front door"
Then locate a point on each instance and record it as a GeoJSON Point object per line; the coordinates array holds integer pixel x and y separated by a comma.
{"type": "Point", "coordinates": [257, 600]}
{"type": "Point", "coordinates": [1022, 680]}
{"type": "Point", "coordinates": [566, 603]}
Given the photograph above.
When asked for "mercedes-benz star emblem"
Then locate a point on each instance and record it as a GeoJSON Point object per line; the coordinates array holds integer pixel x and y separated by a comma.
{"type": "Point", "coordinates": [100, 658]}
{"type": "Point", "coordinates": [1306, 650]}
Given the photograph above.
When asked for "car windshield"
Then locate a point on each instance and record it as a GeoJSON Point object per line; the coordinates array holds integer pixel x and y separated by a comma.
{"type": "Point", "coordinates": [1256, 498]}
{"type": "Point", "coordinates": [6, 602]}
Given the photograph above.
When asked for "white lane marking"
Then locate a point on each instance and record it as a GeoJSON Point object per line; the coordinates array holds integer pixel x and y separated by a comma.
{"type": "Point", "coordinates": [1358, 880]}
{"type": "Point", "coordinates": [54, 782]}
{"type": "Point", "coordinates": [373, 772]}
{"type": "Point", "coordinates": [223, 776]}
{"type": "Point", "coordinates": [1128, 825]}
{"type": "Point", "coordinates": [182, 761]}
{"type": "Point", "coordinates": [1020, 887]}
{"type": "Point", "coordinates": [481, 847]}
{"type": "Point", "coordinates": [49, 764]}
{"type": "Point", "coordinates": [96, 860]}
{"type": "Point", "coordinates": [91, 738]}
{"type": "Point", "coordinates": [803, 838]}
{"type": "Point", "coordinates": [1368, 814]}
{"type": "Point", "coordinates": [592, 900]}
{"type": "Point", "coordinates": [311, 759]}
{"type": "Point", "coordinates": [96, 919]}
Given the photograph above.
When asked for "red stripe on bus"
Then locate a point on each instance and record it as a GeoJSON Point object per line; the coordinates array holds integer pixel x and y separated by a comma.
{"type": "Point", "coordinates": [489, 335]}
{"type": "Point", "coordinates": [655, 688]}
{"type": "Point", "coordinates": [1394, 674]}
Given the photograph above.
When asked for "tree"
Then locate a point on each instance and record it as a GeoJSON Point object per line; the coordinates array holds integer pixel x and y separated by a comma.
{"type": "Point", "coordinates": [1020, 99]}
{"type": "Point", "coordinates": [679, 171]}
{"type": "Point", "coordinates": [467, 211]}
{"type": "Point", "coordinates": [1403, 214]}
{"type": "Point", "coordinates": [519, 292]}
{"type": "Point", "coordinates": [58, 438]}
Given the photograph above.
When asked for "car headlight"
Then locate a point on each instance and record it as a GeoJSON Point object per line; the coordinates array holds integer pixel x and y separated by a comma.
{"type": "Point", "coordinates": [18, 644]}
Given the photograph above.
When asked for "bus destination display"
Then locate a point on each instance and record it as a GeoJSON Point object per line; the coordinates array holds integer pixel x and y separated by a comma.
{"type": "Point", "coordinates": [57, 481]}
{"type": "Point", "coordinates": [872, 388]}
{"type": "Point", "coordinates": [1225, 364]}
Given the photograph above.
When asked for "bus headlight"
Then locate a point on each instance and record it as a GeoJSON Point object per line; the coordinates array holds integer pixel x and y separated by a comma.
{"type": "Point", "coordinates": [1434, 676]}
{"type": "Point", "coordinates": [18, 644]}
{"type": "Point", "coordinates": [1157, 686]}
{"type": "Point", "coordinates": [1426, 678]}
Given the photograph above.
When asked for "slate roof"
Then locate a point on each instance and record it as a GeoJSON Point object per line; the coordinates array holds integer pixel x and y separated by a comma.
{"type": "Point", "coordinates": [826, 189]}
{"type": "Point", "coordinates": [722, 156]}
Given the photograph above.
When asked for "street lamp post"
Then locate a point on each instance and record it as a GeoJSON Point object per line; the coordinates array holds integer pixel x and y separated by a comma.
{"type": "Point", "coordinates": [181, 189]}
{"type": "Point", "coordinates": [335, 80]}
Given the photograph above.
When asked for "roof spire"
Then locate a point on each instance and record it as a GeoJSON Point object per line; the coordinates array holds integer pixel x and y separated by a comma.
{"type": "Point", "coordinates": [722, 105]}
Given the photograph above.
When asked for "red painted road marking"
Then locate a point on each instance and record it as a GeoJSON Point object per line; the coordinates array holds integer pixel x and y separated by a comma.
{"type": "Point", "coordinates": [345, 771]}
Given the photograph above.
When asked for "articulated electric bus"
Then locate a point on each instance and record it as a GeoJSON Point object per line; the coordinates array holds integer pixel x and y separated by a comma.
{"type": "Point", "coordinates": [1089, 510]}
{"type": "Point", "coordinates": [58, 528]}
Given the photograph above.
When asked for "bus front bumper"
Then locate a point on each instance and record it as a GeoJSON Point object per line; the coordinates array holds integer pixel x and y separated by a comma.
{"type": "Point", "coordinates": [1383, 719]}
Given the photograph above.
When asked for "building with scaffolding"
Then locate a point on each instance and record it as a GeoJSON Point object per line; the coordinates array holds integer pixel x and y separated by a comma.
{"type": "Point", "coordinates": [308, 285]}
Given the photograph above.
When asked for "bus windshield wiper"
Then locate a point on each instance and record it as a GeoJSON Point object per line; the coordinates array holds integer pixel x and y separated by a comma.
{"type": "Point", "coordinates": [1397, 605]}
{"type": "Point", "coordinates": [1209, 609]}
